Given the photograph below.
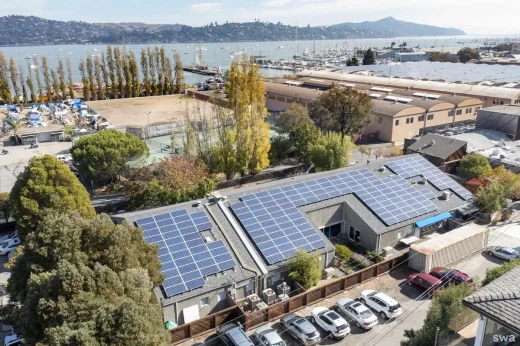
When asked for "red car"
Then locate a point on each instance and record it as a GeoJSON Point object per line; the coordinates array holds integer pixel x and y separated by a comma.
{"type": "Point", "coordinates": [451, 276]}
{"type": "Point", "coordinates": [424, 281]}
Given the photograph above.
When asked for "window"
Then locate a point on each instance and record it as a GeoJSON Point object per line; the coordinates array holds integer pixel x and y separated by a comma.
{"type": "Point", "coordinates": [271, 97]}
{"type": "Point", "coordinates": [250, 287]}
{"type": "Point", "coordinates": [204, 302]}
{"type": "Point", "coordinates": [459, 111]}
{"type": "Point", "coordinates": [397, 122]}
{"type": "Point", "coordinates": [421, 118]}
{"type": "Point", "coordinates": [290, 100]}
{"type": "Point", "coordinates": [332, 231]}
{"type": "Point", "coordinates": [409, 120]}
{"type": "Point", "coordinates": [221, 296]}
{"type": "Point", "coordinates": [469, 110]}
{"type": "Point", "coordinates": [451, 113]}
{"type": "Point", "coordinates": [430, 116]}
{"type": "Point", "coordinates": [279, 98]}
{"type": "Point", "coordinates": [354, 234]}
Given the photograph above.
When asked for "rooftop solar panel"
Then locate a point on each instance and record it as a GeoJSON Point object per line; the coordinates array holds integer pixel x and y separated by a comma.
{"type": "Point", "coordinates": [185, 256]}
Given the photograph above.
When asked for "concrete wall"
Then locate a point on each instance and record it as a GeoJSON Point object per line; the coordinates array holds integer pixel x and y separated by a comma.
{"type": "Point", "coordinates": [392, 238]}
{"type": "Point", "coordinates": [495, 120]}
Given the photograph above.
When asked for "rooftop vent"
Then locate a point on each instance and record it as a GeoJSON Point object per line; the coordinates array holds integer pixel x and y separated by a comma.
{"type": "Point", "coordinates": [446, 195]}
{"type": "Point", "coordinates": [382, 168]}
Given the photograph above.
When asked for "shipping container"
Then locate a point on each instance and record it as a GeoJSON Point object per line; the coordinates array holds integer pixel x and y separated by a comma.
{"type": "Point", "coordinates": [444, 249]}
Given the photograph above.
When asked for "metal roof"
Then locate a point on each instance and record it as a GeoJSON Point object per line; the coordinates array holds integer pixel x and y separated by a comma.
{"type": "Point", "coordinates": [443, 148]}
{"type": "Point", "coordinates": [292, 91]}
{"type": "Point", "coordinates": [447, 239]}
{"type": "Point", "coordinates": [467, 89]}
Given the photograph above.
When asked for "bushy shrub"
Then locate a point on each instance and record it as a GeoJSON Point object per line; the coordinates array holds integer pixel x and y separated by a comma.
{"type": "Point", "coordinates": [375, 256]}
{"type": "Point", "coordinates": [343, 252]}
{"type": "Point", "coordinates": [359, 261]}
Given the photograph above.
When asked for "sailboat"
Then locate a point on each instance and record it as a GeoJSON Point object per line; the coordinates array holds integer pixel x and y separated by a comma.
{"type": "Point", "coordinates": [237, 51]}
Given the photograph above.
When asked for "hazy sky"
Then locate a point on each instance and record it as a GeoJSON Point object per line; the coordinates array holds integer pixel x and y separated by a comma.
{"type": "Point", "coordinates": [478, 17]}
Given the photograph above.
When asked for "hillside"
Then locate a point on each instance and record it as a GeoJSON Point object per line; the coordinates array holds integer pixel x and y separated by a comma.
{"type": "Point", "coordinates": [23, 30]}
{"type": "Point", "coordinates": [398, 28]}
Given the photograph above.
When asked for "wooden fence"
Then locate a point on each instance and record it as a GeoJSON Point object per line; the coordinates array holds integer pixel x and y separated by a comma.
{"type": "Point", "coordinates": [252, 319]}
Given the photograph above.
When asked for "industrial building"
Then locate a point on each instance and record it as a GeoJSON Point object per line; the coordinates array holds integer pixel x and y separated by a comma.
{"type": "Point", "coordinates": [504, 119]}
{"type": "Point", "coordinates": [239, 244]}
{"type": "Point", "coordinates": [488, 95]}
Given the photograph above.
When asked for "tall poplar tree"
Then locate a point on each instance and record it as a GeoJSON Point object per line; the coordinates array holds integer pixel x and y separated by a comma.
{"type": "Point", "coordinates": [151, 62]}
{"type": "Point", "coordinates": [13, 72]}
{"type": "Point", "coordinates": [166, 71]}
{"type": "Point", "coordinates": [55, 85]}
{"type": "Point", "coordinates": [61, 75]}
{"type": "Point", "coordinates": [119, 72]}
{"type": "Point", "coordinates": [70, 82]}
{"type": "Point", "coordinates": [127, 75]}
{"type": "Point", "coordinates": [5, 91]}
{"type": "Point", "coordinates": [160, 71]}
{"type": "Point", "coordinates": [91, 80]}
{"type": "Point", "coordinates": [21, 79]}
{"type": "Point", "coordinates": [145, 69]}
{"type": "Point", "coordinates": [84, 80]}
{"type": "Point", "coordinates": [105, 73]}
{"type": "Point", "coordinates": [30, 83]}
{"type": "Point", "coordinates": [46, 77]}
{"type": "Point", "coordinates": [38, 79]}
{"type": "Point", "coordinates": [179, 74]}
{"type": "Point", "coordinates": [134, 71]}
{"type": "Point", "coordinates": [99, 80]}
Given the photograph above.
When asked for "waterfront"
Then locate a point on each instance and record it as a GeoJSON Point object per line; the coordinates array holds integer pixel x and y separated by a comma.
{"type": "Point", "coordinates": [221, 54]}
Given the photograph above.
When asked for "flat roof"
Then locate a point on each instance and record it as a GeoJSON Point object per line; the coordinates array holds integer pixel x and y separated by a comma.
{"type": "Point", "coordinates": [443, 148]}
{"type": "Point", "coordinates": [442, 241]}
{"type": "Point", "coordinates": [292, 91]}
{"type": "Point", "coordinates": [467, 89]}
{"type": "Point", "coordinates": [506, 109]}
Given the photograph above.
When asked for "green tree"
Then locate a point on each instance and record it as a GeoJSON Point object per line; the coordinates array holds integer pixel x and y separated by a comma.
{"type": "Point", "coordinates": [118, 69]}
{"type": "Point", "coordinates": [466, 54]}
{"type": "Point", "coordinates": [496, 272]}
{"type": "Point", "coordinates": [492, 198]}
{"type": "Point", "coordinates": [86, 282]}
{"type": "Point", "coordinates": [30, 83]}
{"type": "Point", "coordinates": [99, 79]}
{"type": "Point", "coordinates": [392, 45]}
{"type": "Point", "coordinates": [442, 57]}
{"type": "Point", "coordinates": [286, 121]}
{"type": "Point", "coordinates": [46, 184]}
{"type": "Point", "coordinates": [106, 154]}
{"type": "Point", "coordinates": [134, 72]}
{"type": "Point", "coordinates": [281, 148]}
{"type": "Point", "coordinates": [170, 181]}
{"type": "Point", "coordinates": [38, 78]}
{"type": "Point", "coordinates": [105, 74]}
{"type": "Point", "coordinates": [46, 77]}
{"type": "Point", "coordinates": [330, 151]}
{"type": "Point", "coordinates": [61, 74]}
{"type": "Point", "coordinates": [15, 125]}
{"type": "Point", "coordinates": [369, 58]}
{"type": "Point", "coordinates": [91, 79]}
{"type": "Point", "coordinates": [5, 91]}
{"type": "Point", "coordinates": [152, 69]}
{"type": "Point", "coordinates": [112, 71]}
{"type": "Point", "coordinates": [145, 69]}
{"type": "Point", "coordinates": [13, 72]}
{"type": "Point", "coordinates": [363, 149]}
{"type": "Point", "coordinates": [84, 80]}
{"type": "Point", "coordinates": [70, 83]}
{"type": "Point", "coordinates": [303, 136]}
{"type": "Point", "coordinates": [343, 252]}
{"type": "Point", "coordinates": [55, 85]}
{"type": "Point", "coordinates": [5, 207]}
{"type": "Point", "coordinates": [305, 269]}
{"type": "Point", "coordinates": [353, 61]}
{"type": "Point", "coordinates": [445, 306]}
{"type": "Point", "coordinates": [474, 166]}
{"type": "Point", "coordinates": [347, 111]}
{"type": "Point", "coordinates": [180, 83]}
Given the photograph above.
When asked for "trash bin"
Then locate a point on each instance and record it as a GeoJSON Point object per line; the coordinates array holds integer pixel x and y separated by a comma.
{"type": "Point", "coordinates": [169, 325]}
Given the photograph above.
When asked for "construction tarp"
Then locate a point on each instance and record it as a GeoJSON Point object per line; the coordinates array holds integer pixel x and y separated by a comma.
{"type": "Point", "coordinates": [433, 219]}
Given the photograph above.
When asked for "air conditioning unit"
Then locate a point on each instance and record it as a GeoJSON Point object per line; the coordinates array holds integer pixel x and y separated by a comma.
{"type": "Point", "coordinates": [328, 273]}
{"type": "Point", "coordinates": [253, 301]}
{"type": "Point", "coordinates": [423, 181]}
{"type": "Point", "coordinates": [269, 296]}
{"type": "Point", "coordinates": [283, 291]}
{"type": "Point", "coordinates": [446, 195]}
{"type": "Point", "coordinates": [387, 251]}
{"type": "Point", "coordinates": [208, 240]}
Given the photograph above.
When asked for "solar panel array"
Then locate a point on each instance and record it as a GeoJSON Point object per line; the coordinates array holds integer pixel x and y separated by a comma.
{"type": "Point", "coordinates": [279, 229]}
{"type": "Point", "coordinates": [185, 256]}
{"type": "Point", "coordinates": [418, 165]}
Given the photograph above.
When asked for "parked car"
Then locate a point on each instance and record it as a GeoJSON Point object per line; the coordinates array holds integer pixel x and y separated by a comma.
{"type": "Point", "coordinates": [267, 336]}
{"type": "Point", "coordinates": [331, 322]}
{"type": "Point", "coordinates": [386, 306]}
{"type": "Point", "coordinates": [302, 330]}
{"type": "Point", "coordinates": [357, 312]}
{"type": "Point", "coordinates": [64, 158]}
{"type": "Point", "coordinates": [13, 340]}
{"type": "Point", "coordinates": [451, 276]}
{"type": "Point", "coordinates": [506, 253]}
{"type": "Point", "coordinates": [425, 282]}
{"type": "Point", "coordinates": [9, 246]}
{"type": "Point", "coordinates": [9, 236]}
{"type": "Point", "coordinates": [232, 334]}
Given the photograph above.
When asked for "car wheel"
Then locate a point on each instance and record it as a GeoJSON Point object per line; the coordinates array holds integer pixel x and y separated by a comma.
{"type": "Point", "coordinates": [358, 324]}
{"type": "Point", "coordinates": [490, 253]}
{"type": "Point", "coordinates": [383, 315]}
{"type": "Point", "coordinates": [363, 301]}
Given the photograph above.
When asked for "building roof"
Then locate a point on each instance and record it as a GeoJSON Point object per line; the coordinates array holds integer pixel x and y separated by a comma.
{"type": "Point", "coordinates": [295, 92]}
{"type": "Point", "coordinates": [499, 300]}
{"type": "Point", "coordinates": [442, 241]}
{"type": "Point", "coordinates": [443, 148]}
{"type": "Point", "coordinates": [443, 87]}
{"type": "Point", "coordinates": [506, 109]}
{"type": "Point", "coordinates": [26, 131]}
{"type": "Point", "coordinates": [391, 108]}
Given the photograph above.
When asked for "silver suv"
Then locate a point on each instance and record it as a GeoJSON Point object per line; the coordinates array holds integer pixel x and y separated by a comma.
{"type": "Point", "coordinates": [233, 335]}
{"type": "Point", "coordinates": [301, 329]}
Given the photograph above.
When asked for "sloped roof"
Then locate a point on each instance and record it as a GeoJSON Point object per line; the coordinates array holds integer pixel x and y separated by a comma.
{"type": "Point", "coordinates": [499, 300]}
{"type": "Point", "coordinates": [443, 147]}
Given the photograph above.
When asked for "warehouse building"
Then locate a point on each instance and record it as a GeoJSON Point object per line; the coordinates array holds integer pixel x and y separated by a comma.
{"type": "Point", "coordinates": [489, 96]}
{"type": "Point", "coordinates": [503, 119]}
{"type": "Point", "coordinates": [239, 244]}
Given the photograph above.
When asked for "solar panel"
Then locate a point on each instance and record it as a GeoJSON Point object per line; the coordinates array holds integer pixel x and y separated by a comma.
{"type": "Point", "coordinates": [185, 257]}
{"type": "Point", "coordinates": [419, 166]}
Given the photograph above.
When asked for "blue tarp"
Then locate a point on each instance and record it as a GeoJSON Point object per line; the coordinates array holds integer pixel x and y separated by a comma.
{"type": "Point", "coordinates": [34, 117]}
{"type": "Point", "coordinates": [83, 113]}
{"type": "Point", "coordinates": [433, 219]}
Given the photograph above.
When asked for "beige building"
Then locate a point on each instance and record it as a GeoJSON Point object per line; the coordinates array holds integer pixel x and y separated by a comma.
{"type": "Point", "coordinates": [396, 116]}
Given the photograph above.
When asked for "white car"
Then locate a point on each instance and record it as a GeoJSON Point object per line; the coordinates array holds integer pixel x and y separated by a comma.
{"type": "Point", "coordinates": [9, 236]}
{"type": "Point", "coordinates": [13, 340]}
{"type": "Point", "coordinates": [330, 321]}
{"type": "Point", "coordinates": [9, 246]}
{"type": "Point", "coordinates": [64, 158]}
{"type": "Point", "coordinates": [386, 306]}
{"type": "Point", "coordinates": [357, 312]}
{"type": "Point", "coordinates": [267, 336]}
{"type": "Point", "coordinates": [506, 253]}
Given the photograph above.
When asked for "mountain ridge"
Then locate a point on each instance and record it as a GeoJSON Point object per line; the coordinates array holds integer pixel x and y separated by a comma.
{"type": "Point", "coordinates": [31, 30]}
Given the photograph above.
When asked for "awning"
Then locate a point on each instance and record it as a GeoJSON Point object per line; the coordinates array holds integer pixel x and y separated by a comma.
{"type": "Point", "coordinates": [433, 219]}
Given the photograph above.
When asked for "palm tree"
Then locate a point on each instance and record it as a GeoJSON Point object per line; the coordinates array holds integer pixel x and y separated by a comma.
{"type": "Point", "coordinates": [15, 125]}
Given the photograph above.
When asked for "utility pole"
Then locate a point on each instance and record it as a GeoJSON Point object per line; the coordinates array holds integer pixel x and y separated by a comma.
{"type": "Point", "coordinates": [148, 128]}
{"type": "Point", "coordinates": [436, 336]}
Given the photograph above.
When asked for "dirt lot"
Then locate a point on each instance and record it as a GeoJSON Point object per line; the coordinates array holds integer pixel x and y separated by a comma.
{"type": "Point", "coordinates": [132, 112]}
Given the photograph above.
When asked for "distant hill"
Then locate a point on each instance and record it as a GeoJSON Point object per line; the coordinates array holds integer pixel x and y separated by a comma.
{"type": "Point", "coordinates": [398, 28]}
{"type": "Point", "coordinates": [24, 30]}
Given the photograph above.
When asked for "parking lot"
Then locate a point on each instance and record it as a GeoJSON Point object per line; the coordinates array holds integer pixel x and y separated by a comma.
{"type": "Point", "coordinates": [415, 307]}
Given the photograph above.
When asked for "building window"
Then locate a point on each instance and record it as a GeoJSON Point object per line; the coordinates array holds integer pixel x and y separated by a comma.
{"type": "Point", "coordinates": [494, 102]}
{"type": "Point", "coordinates": [354, 234]}
{"type": "Point", "coordinates": [221, 296]}
{"type": "Point", "coordinates": [290, 100]}
{"type": "Point", "coordinates": [249, 289]}
{"type": "Point", "coordinates": [459, 111]}
{"type": "Point", "coordinates": [430, 116]}
{"type": "Point", "coordinates": [451, 113]}
{"type": "Point", "coordinates": [469, 110]}
{"type": "Point", "coordinates": [421, 118]}
{"type": "Point", "coordinates": [332, 231]}
{"type": "Point", "coordinates": [281, 99]}
{"type": "Point", "coordinates": [271, 97]}
{"type": "Point", "coordinates": [409, 120]}
{"type": "Point", "coordinates": [204, 302]}
{"type": "Point", "coordinates": [397, 122]}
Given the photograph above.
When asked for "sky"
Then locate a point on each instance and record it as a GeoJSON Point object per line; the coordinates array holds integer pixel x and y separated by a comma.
{"type": "Point", "coordinates": [475, 17]}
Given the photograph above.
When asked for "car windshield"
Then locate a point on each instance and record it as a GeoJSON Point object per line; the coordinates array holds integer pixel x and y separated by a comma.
{"type": "Point", "coordinates": [366, 313]}
{"type": "Point", "coordinates": [4, 245]}
{"type": "Point", "coordinates": [509, 251]}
